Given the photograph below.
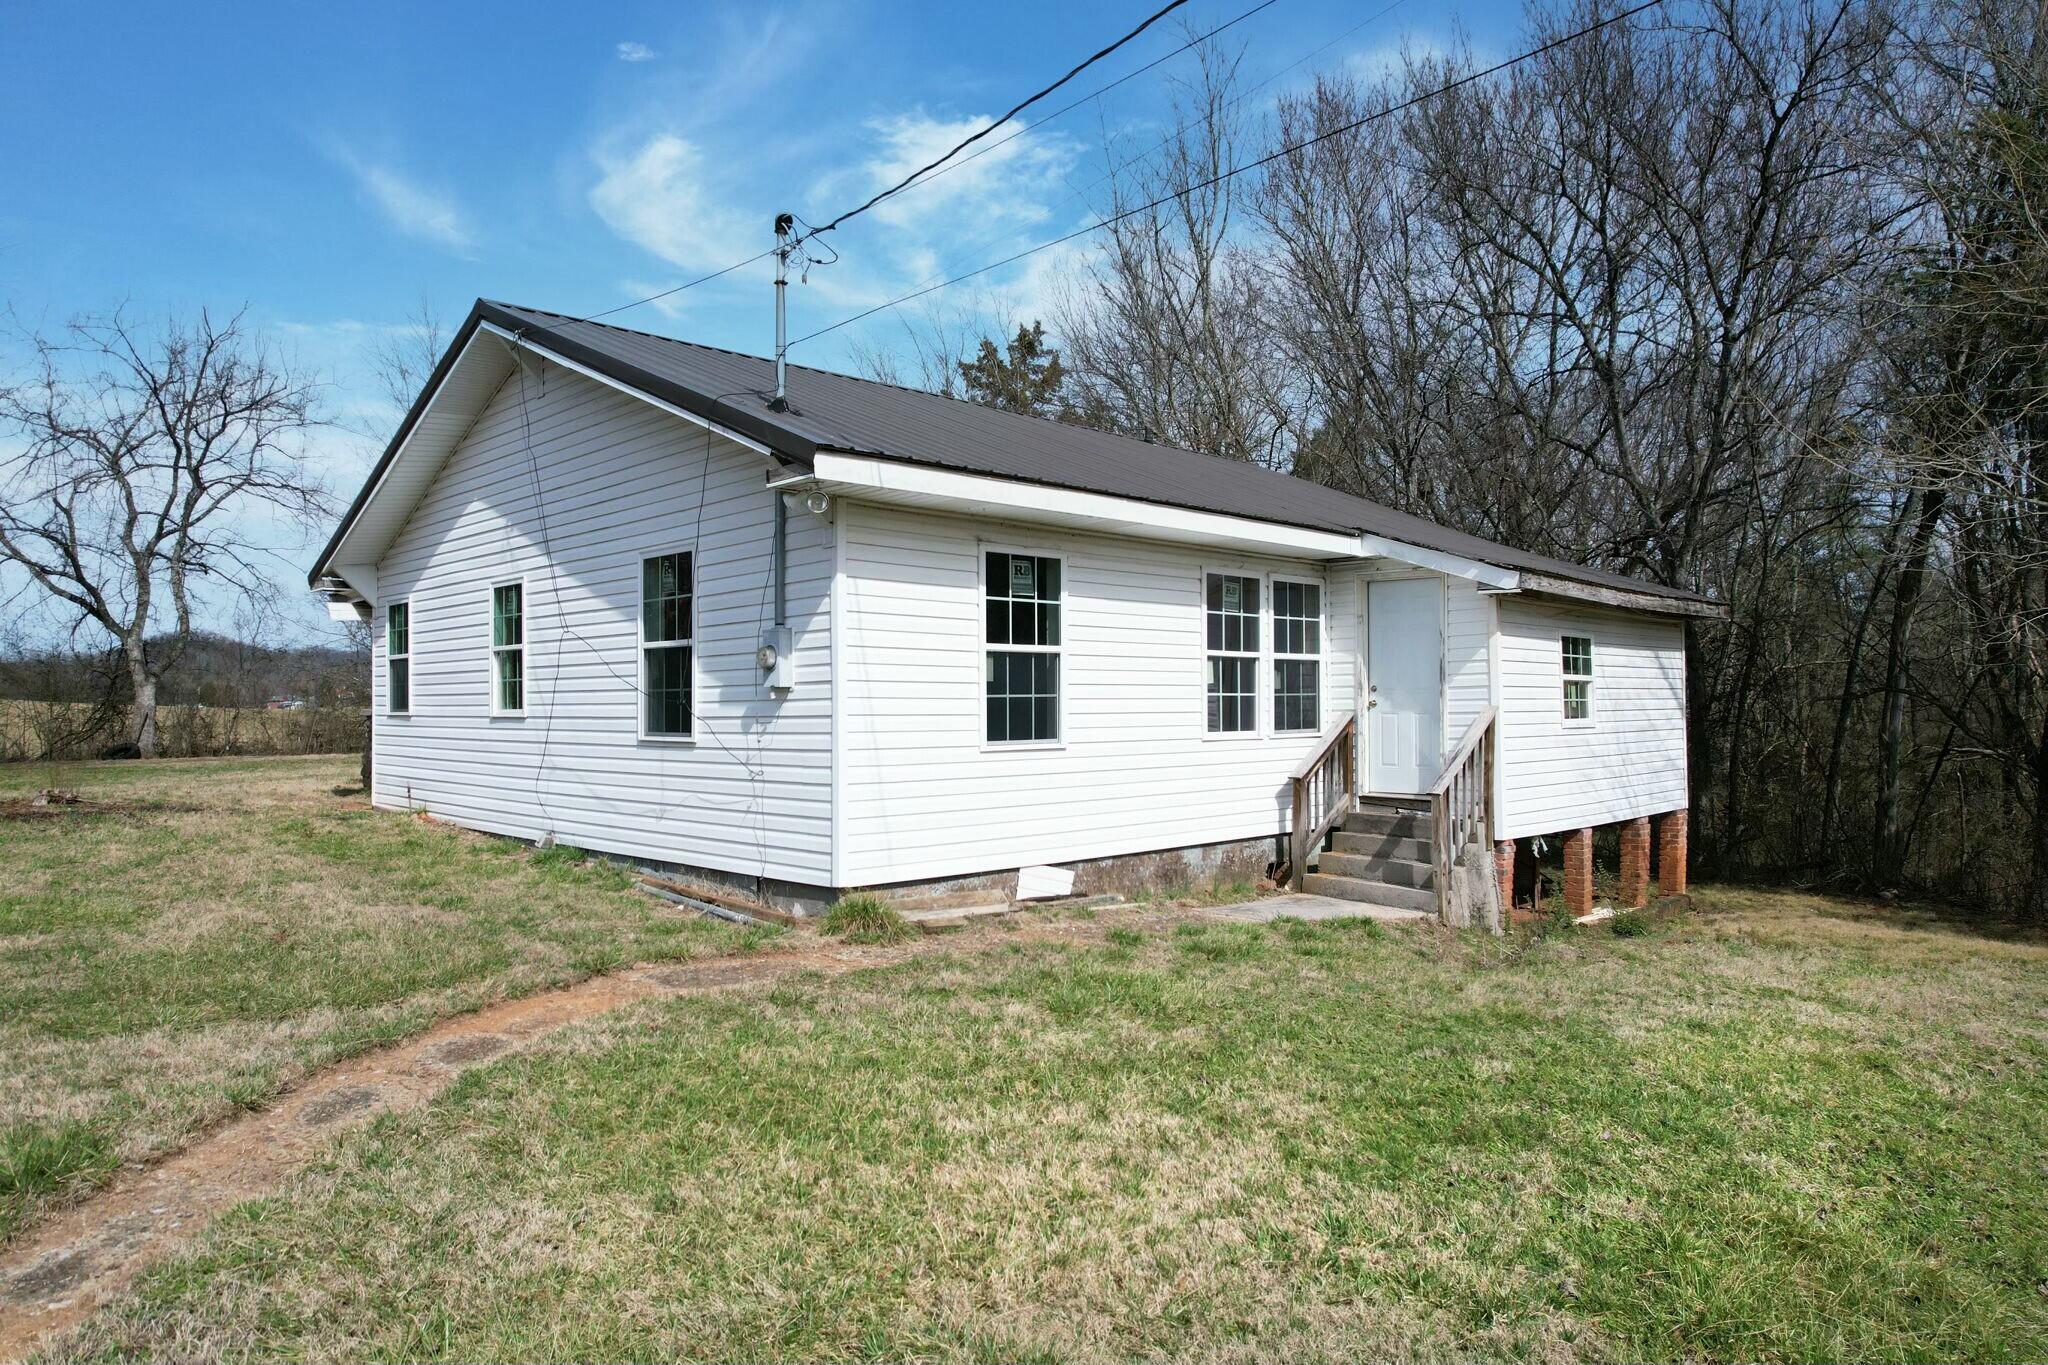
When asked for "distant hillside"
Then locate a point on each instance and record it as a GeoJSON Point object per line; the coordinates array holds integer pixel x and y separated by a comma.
{"type": "Point", "coordinates": [215, 670]}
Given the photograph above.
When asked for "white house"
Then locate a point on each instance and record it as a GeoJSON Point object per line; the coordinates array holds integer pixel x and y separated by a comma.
{"type": "Point", "coordinates": [883, 639]}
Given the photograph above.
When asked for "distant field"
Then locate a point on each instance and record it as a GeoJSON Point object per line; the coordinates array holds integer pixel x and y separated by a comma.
{"type": "Point", "coordinates": [1784, 1128]}
{"type": "Point", "coordinates": [230, 924]}
{"type": "Point", "coordinates": [32, 731]}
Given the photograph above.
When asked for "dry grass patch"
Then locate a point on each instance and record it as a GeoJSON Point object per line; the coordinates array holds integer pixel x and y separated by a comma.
{"type": "Point", "coordinates": [214, 929]}
{"type": "Point", "coordinates": [1771, 1130]}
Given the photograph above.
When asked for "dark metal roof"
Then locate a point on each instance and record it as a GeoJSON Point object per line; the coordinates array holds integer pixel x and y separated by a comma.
{"type": "Point", "coordinates": [839, 413]}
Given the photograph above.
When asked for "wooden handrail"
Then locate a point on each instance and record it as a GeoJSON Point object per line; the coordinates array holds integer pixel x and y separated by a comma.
{"type": "Point", "coordinates": [1325, 789]}
{"type": "Point", "coordinates": [1473, 734]}
{"type": "Point", "coordinates": [1461, 804]}
{"type": "Point", "coordinates": [1342, 727]}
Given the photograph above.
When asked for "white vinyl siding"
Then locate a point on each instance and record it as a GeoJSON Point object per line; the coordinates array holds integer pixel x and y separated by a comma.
{"type": "Point", "coordinates": [924, 797]}
{"type": "Point", "coordinates": [1559, 775]}
{"type": "Point", "coordinates": [1468, 679]}
{"type": "Point", "coordinates": [620, 481]}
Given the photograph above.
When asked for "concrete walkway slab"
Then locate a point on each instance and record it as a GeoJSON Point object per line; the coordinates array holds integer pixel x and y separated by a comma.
{"type": "Point", "coordinates": [1303, 906]}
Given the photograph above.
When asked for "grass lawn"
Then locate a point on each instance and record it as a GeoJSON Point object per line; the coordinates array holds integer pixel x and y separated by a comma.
{"type": "Point", "coordinates": [243, 922]}
{"type": "Point", "coordinates": [1780, 1128]}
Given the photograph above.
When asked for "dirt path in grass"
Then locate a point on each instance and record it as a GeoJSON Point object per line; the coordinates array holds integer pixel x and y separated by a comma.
{"type": "Point", "coordinates": [54, 1276]}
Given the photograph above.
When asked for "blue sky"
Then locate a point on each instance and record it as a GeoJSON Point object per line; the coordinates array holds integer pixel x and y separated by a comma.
{"type": "Point", "coordinates": [332, 166]}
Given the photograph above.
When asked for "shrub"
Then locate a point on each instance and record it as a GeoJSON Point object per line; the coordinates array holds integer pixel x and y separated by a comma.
{"type": "Point", "coordinates": [1629, 924]}
{"type": "Point", "coordinates": [866, 918]}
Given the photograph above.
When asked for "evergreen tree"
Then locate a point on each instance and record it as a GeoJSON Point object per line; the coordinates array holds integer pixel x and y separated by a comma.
{"type": "Point", "coordinates": [1025, 377]}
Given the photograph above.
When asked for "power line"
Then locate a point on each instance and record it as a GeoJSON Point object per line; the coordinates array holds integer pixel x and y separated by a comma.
{"type": "Point", "coordinates": [1098, 92]}
{"type": "Point", "coordinates": [1015, 110]}
{"type": "Point", "coordinates": [1312, 54]}
{"type": "Point", "coordinates": [692, 284]}
{"type": "Point", "coordinates": [904, 184]}
{"type": "Point", "coordinates": [1222, 176]}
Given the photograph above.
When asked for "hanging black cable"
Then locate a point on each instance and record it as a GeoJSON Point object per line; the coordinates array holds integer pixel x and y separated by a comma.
{"type": "Point", "coordinates": [1015, 110]}
{"type": "Point", "coordinates": [1222, 176]}
{"type": "Point", "coordinates": [1096, 93]}
{"type": "Point", "coordinates": [939, 165]}
{"type": "Point", "coordinates": [981, 244]}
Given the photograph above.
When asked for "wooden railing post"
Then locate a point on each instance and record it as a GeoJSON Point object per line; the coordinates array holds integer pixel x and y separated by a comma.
{"type": "Point", "coordinates": [1461, 803]}
{"type": "Point", "coordinates": [1324, 789]}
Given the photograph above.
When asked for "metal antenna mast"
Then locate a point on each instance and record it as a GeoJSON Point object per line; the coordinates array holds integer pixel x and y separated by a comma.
{"type": "Point", "coordinates": [783, 248]}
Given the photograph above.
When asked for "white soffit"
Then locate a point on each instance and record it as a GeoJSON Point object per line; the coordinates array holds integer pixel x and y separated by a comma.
{"type": "Point", "coordinates": [457, 403]}
{"type": "Point", "coordinates": [906, 485]}
{"type": "Point", "coordinates": [895, 483]}
{"type": "Point", "coordinates": [476, 376]}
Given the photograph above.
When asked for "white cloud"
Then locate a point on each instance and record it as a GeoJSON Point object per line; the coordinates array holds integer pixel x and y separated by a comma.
{"type": "Point", "coordinates": [668, 305]}
{"type": "Point", "coordinates": [1001, 179]}
{"type": "Point", "coordinates": [1397, 56]}
{"type": "Point", "coordinates": [656, 197]}
{"type": "Point", "coordinates": [414, 209]}
{"type": "Point", "coordinates": [636, 52]}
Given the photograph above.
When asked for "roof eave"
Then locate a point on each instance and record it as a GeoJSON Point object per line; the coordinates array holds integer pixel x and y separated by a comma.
{"type": "Point", "coordinates": [711, 410]}
{"type": "Point", "coordinates": [777, 438]}
{"type": "Point", "coordinates": [1688, 605]}
{"type": "Point", "coordinates": [322, 564]}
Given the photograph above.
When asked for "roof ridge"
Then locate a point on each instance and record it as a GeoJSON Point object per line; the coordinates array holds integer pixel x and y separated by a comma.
{"type": "Point", "coordinates": [921, 393]}
{"type": "Point", "coordinates": [1316, 504]}
{"type": "Point", "coordinates": [742, 355]}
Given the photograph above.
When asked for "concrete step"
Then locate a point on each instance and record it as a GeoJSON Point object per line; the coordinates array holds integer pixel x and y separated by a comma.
{"type": "Point", "coordinates": [1391, 824]}
{"type": "Point", "coordinates": [1368, 892]}
{"type": "Point", "coordinates": [1394, 805]}
{"type": "Point", "coordinates": [1393, 871]}
{"type": "Point", "coordinates": [1381, 846]}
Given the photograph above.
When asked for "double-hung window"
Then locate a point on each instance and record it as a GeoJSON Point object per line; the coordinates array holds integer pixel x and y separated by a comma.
{"type": "Point", "coordinates": [1577, 653]}
{"type": "Point", "coordinates": [1232, 611]}
{"type": "Point", "coordinates": [508, 649]}
{"type": "Point", "coordinates": [667, 646]}
{"type": "Point", "coordinates": [1297, 656]}
{"type": "Point", "coordinates": [1021, 659]}
{"type": "Point", "coordinates": [398, 658]}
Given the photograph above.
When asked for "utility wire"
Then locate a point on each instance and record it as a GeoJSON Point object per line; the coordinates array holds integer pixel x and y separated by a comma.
{"type": "Point", "coordinates": [983, 243]}
{"type": "Point", "coordinates": [1222, 176]}
{"type": "Point", "coordinates": [943, 169]}
{"type": "Point", "coordinates": [1097, 93]}
{"type": "Point", "coordinates": [692, 284]}
{"type": "Point", "coordinates": [1015, 110]}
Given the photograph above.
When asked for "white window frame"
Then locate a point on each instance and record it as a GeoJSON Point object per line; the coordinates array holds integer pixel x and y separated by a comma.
{"type": "Point", "coordinates": [982, 550]}
{"type": "Point", "coordinates": [1320, 658]}
{"type": "Point", "coordinates": [405, 602]}
{"type": "Point", "coordinates": [643, 697]}
{"type": "Point", "coordinates": [493, 649]}
{"type": "Point", "coordinates": [1591, 678]}
{"type": "Point", "coordinates": [1257, 579]}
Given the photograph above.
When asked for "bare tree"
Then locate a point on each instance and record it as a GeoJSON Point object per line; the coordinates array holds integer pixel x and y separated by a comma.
{"type": "Point", "coordinates": [929, 346]}
{"type": "Point", "coordinates": [1164, 335]}
{"type": "Point", "coordinates": [140, 464]}
{"type": "Point", "coordinates": [402, 360]}
{"type": "Point", "coordinates": [1970, 102]}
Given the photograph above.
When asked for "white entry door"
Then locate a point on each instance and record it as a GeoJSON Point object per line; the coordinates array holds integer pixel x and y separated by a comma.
{"type": "Point", "coordinates": [1404, 652]}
